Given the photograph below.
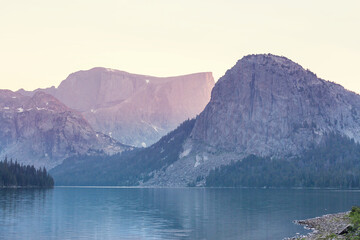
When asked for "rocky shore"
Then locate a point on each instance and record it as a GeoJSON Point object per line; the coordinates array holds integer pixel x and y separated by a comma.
{"type": "Point", "coordinates": [330, 226]}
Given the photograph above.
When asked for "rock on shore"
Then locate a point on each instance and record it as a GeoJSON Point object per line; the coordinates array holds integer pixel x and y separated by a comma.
{"type": "Point", "coordinates": [330, 226]}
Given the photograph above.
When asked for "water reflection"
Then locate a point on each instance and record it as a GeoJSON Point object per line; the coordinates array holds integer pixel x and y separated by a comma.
{"type": "Point", "coordinates": [135, 213]}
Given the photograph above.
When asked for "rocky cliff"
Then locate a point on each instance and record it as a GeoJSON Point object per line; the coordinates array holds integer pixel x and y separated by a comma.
{"type": "Point", "coordinates": [268, 106]}
{"type": "Point", "coordinates": [40, 130]}
{"type": "Point", "coordinates": [134, 109]}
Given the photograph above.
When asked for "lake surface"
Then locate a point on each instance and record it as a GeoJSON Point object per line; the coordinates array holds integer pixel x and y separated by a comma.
{"type": "Point", "coordinates": [163, 213]}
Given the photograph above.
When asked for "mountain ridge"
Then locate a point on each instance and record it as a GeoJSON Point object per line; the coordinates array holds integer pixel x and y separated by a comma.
{"type": "Point", "coordinates": [134, 109]}
{"type": "Point", "coordinates": [42, 131]}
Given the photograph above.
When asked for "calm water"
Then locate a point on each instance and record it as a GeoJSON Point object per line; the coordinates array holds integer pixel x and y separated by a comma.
{"type": "Point", "coordinates": [188, 213]}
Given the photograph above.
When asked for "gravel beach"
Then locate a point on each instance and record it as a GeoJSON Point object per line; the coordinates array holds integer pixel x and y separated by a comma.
{"type": "Point", "coordinates": [330, 226]}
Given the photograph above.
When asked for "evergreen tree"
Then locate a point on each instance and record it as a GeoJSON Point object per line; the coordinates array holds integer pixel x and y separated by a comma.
{"type": "Point", "coordinates": [15, 174]}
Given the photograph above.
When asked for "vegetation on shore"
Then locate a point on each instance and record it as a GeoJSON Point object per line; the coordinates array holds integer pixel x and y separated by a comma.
{"type": "Point", "coordinates": [13, 174]}
{"type": "Point", "coordinates": [333, 164]}
{"type": "Point", "coordinates": [333, 226]}
{"type": "Point", "coordinates": [354, 230]}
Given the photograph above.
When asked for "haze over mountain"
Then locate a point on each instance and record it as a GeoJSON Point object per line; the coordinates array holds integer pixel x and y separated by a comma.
{"type": "Point", "coordinates": [265, 105]}
{"type": "Point", "coordinates": [41, 131]}
{"type": "Point", "coordinates": [134, 109]}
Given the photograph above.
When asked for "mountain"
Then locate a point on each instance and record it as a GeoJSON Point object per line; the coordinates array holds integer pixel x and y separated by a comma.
{"type": "Point", "coordinates": [134, 109]}
{"type": "Point", "coordinates": [265, 106]}
{"type": "Point", "coordinates": [127, 168]}
{"type": "Point", "coordinates": [268, 106]}
{"type": "Point", "coordinates": [41, 131]}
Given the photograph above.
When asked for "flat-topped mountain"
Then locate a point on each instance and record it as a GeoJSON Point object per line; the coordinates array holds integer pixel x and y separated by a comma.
{"type": "Point", "coordinates": [134, 109]}
{"type": "Point", "coordinates": [41, 130]}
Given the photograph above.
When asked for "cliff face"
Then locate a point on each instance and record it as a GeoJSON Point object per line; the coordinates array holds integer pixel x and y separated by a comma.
{"type": "Point", "coordinates": [270, 105]}
{"type": "Point", "coordinates": [40, 130]}
{"type": "Point", "coordinates": [134, 109]}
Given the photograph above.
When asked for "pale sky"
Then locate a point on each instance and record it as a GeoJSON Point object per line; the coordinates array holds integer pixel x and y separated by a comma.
{"type": "Point", "coordinates": [43, 41]}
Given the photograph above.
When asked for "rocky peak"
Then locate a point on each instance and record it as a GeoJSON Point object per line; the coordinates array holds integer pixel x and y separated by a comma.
{"type": "Point", "coordinates": [41, 100]}
{"type": "Point", "coordinates": [40, 130]}
{"type": "Point", "coordinates": [268, 104]}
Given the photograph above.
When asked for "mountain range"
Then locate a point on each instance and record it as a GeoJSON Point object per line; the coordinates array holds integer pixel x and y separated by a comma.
{"type": "Point", "coordinates": [42, 131]}
{"type": "Point", "coordinates": [266, 106]}
{"type": "Point", "coordinates": [133, 109]}
{"type": "Point", "coordinates": [97, 111]}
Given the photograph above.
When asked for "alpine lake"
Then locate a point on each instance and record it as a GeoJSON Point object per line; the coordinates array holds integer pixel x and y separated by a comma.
{"type": "Point", "coordinates": [164, 213]}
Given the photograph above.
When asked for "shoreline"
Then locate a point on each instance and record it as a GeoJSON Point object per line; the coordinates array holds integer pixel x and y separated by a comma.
{"type": "Point", "coordinates": [328, 226]}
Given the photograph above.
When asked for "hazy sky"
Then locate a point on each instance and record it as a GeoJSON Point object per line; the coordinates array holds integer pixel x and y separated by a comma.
{"type": "Point", "coordinates": [42, 41]}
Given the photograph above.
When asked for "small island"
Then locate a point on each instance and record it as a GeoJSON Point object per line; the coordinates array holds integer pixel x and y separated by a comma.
{"type": "Point", "coordinates": [14, 174]}
{"type": "Point", "coordinates": [333, 226]}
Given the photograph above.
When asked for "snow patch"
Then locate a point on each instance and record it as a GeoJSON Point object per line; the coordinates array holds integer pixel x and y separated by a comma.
{"type": "Point", "coordinates": [110, 133]}
{"type": "Point", "coordinates": [185, 153]}
{"type": "Point", "coordinates": [318, 132]}
{"type": "Point", "coordinates": [92, 110]}
{"type": "Point", "coordinates": [147, 81]}
{"type": "Point", "coordinates": [155, 128]}
{"type": "Point", "coordinates": [151, 125]}
{"type": "Point", "coordinates": [20, 110]}
{"type": "Point", "coordinates": [47, 103]}
{"type": "Point", "coordinates": [97, 135]}
{"type": "Point", "coordinates": [197, 161]}
{"type": "Point", "coordinates": [37, 108]}
{"type": "Point", "coordinates": [143, 144]}
{"type": "Point", "coordinates": [13, 97]}
{"type": "Point", "coordinates": [6, 108]}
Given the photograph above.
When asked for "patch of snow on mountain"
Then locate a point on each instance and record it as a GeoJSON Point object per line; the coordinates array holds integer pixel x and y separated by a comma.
{"type": "Point", "coordinates": [153, 126]}
{"type": "Point", "coordinates": [20, 110]}
{"type": "Point", "coordinates": [197, 161]}
{"type": "Point", "coordinates": [185, 153]}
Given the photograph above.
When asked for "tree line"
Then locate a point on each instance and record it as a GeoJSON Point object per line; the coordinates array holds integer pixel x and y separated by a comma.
{"type": "Point", "coordinates": [333, 164]}
{"type": "Point", "coordinates": [127, 168]}
{"type": "Point", "coordinates": [13, 174]}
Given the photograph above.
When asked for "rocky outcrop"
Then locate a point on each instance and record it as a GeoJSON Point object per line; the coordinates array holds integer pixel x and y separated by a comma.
{"type": "Point", "coordinates": [330, 226]}
{"type": "Point", "coordinates": [268, 106]}
{"type": "Point", "coordinates": [41, 131]}
{"type": "Point", "coordinates": [134, 109]}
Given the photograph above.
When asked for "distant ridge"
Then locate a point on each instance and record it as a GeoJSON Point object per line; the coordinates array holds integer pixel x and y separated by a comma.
{"type": "Point", "coordinates": [41, 131]}
{"type": "Point", "coordinates": [134, 109]}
